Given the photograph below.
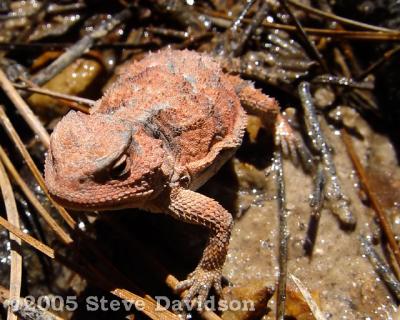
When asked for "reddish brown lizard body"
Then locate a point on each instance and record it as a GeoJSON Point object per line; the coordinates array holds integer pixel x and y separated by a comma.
{"type": "Point", "coordinates": [163, 129]}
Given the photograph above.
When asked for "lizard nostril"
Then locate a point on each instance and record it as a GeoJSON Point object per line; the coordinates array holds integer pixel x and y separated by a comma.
{"type": "Point", "coordinates": [81, 180]}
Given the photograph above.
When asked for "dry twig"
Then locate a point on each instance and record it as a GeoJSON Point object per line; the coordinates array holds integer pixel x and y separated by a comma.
{"type": "Point", "coordinates": [10, 130]}
{"type": "Point", "coordinates": [386, 56]}
{"type": "Point", "coordinates": [63, 235]}
{"type": "Point", "coordinates": [101, 46]}
{"type": "Point", "coordinates": [79, 48]}
{"type": "Point", "coordinates": [82, 102]}
{"type": "Point", "coordinates": [27, 311]}
{"type": "Point", "coordinates": [24, 110]}
{"type": "Point", "coordinates": [16, 258]}
{"type": "Point", "coordinates": [149, 307]}
{"type": "Point", "coordinates": [283, 236]}
{"type": "Point", "coordinates": [27, 238]}
{"type": "Point", "coordinates": [343, 81]}
{"type": "Point", "coordinates": [343, 34]}
{"type": "Point", "coordinates": [337, 18]}
{"type": "Point", "coordinates": [380, 267]}
{"type": "Point", "coordinates": [307, 42]}
{"type": "Point", "coordinates": [376, 205]}
{"type": "Point", "coordinates": [338, 202]}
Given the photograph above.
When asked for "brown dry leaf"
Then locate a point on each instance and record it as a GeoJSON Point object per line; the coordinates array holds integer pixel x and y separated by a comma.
{"type": "Point", "coordinates": [256, 292]}
{"type": "Point", "coordinates": [44, 59]}
{"type": "Point", "coordinates": [253, 126]}
{"type": "Point", "coordinates": [73, 80]}
{"type": "Point", "coordinates": [249, 176]}
{"type": "Point", "coordinates": [296, 305]}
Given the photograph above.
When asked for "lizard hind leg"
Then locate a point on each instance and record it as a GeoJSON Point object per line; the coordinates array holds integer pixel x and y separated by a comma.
{"type": "Point", "coordinates": [195, 208]}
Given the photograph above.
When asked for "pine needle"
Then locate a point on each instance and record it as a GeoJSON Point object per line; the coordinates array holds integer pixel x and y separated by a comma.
{"type": "Point", "coordinates": [16, 258]}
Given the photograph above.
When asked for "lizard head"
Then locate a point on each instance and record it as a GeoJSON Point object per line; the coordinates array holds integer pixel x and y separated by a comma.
{"type": "Point", "coordinates": [100, 162]}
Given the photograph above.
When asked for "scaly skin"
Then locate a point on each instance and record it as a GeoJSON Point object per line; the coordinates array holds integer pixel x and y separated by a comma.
{"type": "Point", "coordinates": [163, 129]}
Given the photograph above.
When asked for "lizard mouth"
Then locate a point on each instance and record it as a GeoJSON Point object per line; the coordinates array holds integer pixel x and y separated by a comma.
{"type": "Point", "coordinates": [101, 203]}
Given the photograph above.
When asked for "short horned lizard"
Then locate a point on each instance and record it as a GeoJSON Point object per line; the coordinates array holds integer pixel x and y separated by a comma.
{"type": "Point", "coordinates": [164, 127]}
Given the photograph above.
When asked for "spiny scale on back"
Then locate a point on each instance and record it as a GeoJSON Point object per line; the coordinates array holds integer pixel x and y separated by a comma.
{"type": "Point", "coordinates": [183, 117]}
{"type": "Point", "coordinates": [180, 97]}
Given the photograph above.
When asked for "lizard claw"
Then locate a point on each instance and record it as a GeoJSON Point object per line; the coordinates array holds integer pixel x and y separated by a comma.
{"type": "Point", "coordinates": [198, 285]}
{"type": "Point", "coordinates": [291, 146]}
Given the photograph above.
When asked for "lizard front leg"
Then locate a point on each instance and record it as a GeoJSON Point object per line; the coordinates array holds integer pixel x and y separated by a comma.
{"type": "Point", "coordinates": [267, 109]}
{"type": "Point", "coordinates": [195, 208]}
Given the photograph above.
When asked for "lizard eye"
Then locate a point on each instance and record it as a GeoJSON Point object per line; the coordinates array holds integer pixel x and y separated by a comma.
{"type": "Point", "coordinates": [120, 168]}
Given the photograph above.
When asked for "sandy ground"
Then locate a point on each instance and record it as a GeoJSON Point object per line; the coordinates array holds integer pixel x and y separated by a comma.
{"type": "Point", "coordinates": [344, 280]}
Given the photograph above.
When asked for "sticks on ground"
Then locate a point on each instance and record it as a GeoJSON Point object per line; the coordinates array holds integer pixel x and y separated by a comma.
{"type": "Point", "coordinates": [12, 133]}
{"type": "Point", "coordinates": [16, 258]}
{"type": "Point", "coordinates": [220, 19]}
{"type": "Point", "coordinates": [307, 42]}
{"type": "Point", "coordinates": [283, 236]}
{"type": "Point", "coordinates": [79, 48]}
{"type": "Point", "coordinates": [27, 238]}
{"type": "Point", "coordinates": [63, 235]}
{"type": "Point", "coordinates": [337, 18]}
{"type": "Point", "coordinates": [149, 307]}
{"type": "Point", "coordinates": [83, 103]}
{"type": "Point", "coordinates": [380, 267]}
{"type": "Point", "coordinates": [338, 202]}
{"type": "Point", "coordinates": [25, 309]}
{"type": "Point", "coordinates": [376, 205]}
{"type": "Point", "coordinates": [24, 110]}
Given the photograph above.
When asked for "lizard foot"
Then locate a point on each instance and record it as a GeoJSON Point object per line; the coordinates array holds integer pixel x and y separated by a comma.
{"type": "Point", "coordinates": [292, 146]}
{"type": "Point", "coordinates": [198, 285]}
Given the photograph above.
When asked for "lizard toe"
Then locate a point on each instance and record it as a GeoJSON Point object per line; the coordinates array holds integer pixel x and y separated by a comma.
{"type": "Point", "coordinates": [292, 147]}
{"type": "Point", "coordinates": [198, 287]}
{"type": "Point", "coordinates": [184, 285]}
